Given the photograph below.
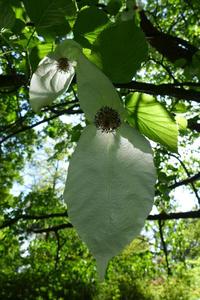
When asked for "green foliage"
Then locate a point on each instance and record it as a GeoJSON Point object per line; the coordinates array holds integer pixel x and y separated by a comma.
{"type": "Point", "coordinates": [7, 16]}
{"type": "Point", "coordinates": [49, 16]}
{"type": "Point", "coordinates": [89, 23]}
{"type": "Point", "coordinates": [114, 6]}
{"type": "Point", "coordinates": [41, 257]}
{"type": "Point", "coordinates": [121, 58]}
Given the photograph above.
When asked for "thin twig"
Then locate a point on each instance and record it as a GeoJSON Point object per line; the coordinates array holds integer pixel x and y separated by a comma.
{"type": "Point", "coordinates": [188, 180]}
{"type": "Point", "coordinates": [58, 249]}
{"type": "Point", "coordinates": [188, 174]}
{"type": "Point", "coordinates": [164, 245]}
{"type": "Point", "coordinates": [67, 111]}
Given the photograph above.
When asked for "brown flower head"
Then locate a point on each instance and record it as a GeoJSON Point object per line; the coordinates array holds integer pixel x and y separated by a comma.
{"type": "Point", "coordinates": [63, 64]}
{"type": "Point", "coordinates": [107, 119]}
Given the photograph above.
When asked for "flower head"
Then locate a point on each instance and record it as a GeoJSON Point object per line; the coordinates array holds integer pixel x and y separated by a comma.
{"type": "Point", "coordinates": [107, 119]}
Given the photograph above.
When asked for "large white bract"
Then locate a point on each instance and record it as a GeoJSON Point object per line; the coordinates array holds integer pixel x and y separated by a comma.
{"type": "Point", "coordinates": [110, 189]}
{"type": "Point", "coordinates": [51, 80]}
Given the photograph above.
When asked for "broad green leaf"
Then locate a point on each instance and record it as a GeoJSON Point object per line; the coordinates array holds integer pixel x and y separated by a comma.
{"type": "Point", "coordinates": [7, 16]}
{"type": "Point", "coordinates": [180, 108]}
{"type": "Point", "coordinates": [89, 23]}
{"type": "Point", "coordinates": [109, 189]}
{"type": "Point", "coordinates": [44, 49]}
{"type": "Point", "coordinates": [152, 119]}
{"type": "Point", "coordinates": [49, 16]}
{"type": "Point", "coordinates": [121, 48]}
{"type": "Point", "coordinates": [95, 90]}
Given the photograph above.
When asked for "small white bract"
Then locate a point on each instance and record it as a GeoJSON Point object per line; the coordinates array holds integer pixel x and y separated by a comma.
{"type": "Point", "coordinates": [52, 77]}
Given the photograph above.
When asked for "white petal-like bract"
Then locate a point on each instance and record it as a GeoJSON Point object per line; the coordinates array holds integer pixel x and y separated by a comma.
{"type": "Point", "coordinates": [110, 189]}
{"type": "Point", "coordinates": [49, 80]}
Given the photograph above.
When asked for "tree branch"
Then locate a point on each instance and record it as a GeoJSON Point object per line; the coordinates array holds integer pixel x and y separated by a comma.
{"type": "Point", "coordinates": [49, 229]}
{"type": "Point", "coordinates": [189, 175]}
{"type": "Point", "coordinates": [162, 216]}
{"type": "Point", "coordinates": [12, 221]}
{"type": "Point", "coordinates": [164, 245]}
{"type": "Point", "coordinates": [58, 249]}
{"type": "Point", "coordinates": [162, 90]}
{"type": "Point", "coordinates": [185, 181]}
{"type": "Point", "coordinates": [10, 82]}
{"type": "Point", "coordinates": [173, 48]}
{"type": "Point", "coordinates": [175, 216]}
{"type": "Point", "coordinates": [60, 113]}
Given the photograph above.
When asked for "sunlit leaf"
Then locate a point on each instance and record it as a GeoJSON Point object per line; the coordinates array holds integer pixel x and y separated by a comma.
{"type": "Point", "coordinates": [181, 121]}
{"type": "Point", "coordinates": [116, 177]}
{"type": "Point", "coordinates": [152, 119]}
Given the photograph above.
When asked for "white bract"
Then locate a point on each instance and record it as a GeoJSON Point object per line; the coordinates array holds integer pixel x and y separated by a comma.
{"type": "Point", "coordinates": [110, 189]}
{"type": "Point", "coordinates": [53, 75]}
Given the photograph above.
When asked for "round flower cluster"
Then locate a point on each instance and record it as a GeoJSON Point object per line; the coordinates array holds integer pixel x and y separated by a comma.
{"type": "Point", "coordinates": [107, 119]}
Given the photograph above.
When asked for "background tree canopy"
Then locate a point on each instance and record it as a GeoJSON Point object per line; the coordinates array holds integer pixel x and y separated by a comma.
{"type": "Point", "coordinates": [150, 52]}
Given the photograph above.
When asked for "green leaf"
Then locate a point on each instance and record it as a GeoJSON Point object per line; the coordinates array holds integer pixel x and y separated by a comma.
{"type": "Point", "coordinates": [182, 122]}
{"type": "Point", "coordinates": [49, 16]}
{"type": "Point", "coordinates": [121, 48]}
{"type": "Point", "coordinates": [152, 119]}
{"type": "Point", "coordinates": [114, 6]}
{"type": "Point", "coordinates": [7, 16]}
{"type": "Point", "coordinates": [89, 23]}
{"type": "Point", "coordinates": [95, 89]}
{"type": "Point", "coordinates": [109, 189]}
{"type": "Point", "coordinates": [180, 108]}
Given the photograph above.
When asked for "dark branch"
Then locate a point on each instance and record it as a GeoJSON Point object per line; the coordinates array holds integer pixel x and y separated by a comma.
{"type": "Point", "coordinates": [164, 245]}
{"type": "Point", "coordinates": [60, 113]}
{"type": "Point", "coordinates": [58, 249]}
{"type": "Point", "coordinates": [173, 48]}
{"type": "Point", "coordinates": [162, 216]}
{"type": "Point", "coordinates": [10, 82]}
{"type": "Point", "coordinates": [189, 175]}
{"type": "Point", "coordinates": [175, 216]}
{"type": "Point", "coordinates": [185, 181]}
{"type": "Point", "coordinates": [50, 229]}
{"type": "Point", "coordinates": [162, 90]}
{"type": "Point", "coordinates": [12, 221]}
